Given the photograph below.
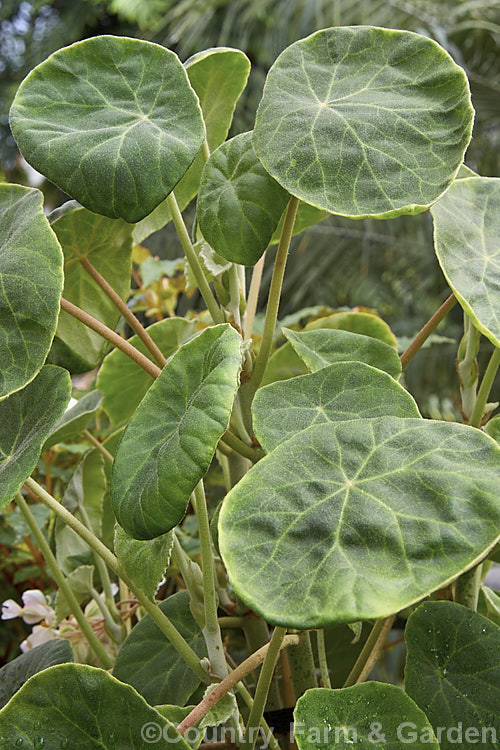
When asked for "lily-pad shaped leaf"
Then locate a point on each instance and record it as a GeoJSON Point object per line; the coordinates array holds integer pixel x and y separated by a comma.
{"type": "Point", "coordinates": [149, 662]}
{"type": "Point", "coordinates": [371, 713]}
{"type": "Point", "coordinates": [360, 519]}
{"type": "Point", "coordinates": [76, 419]}
{"type": "Point", "coordinates": [42, 714]}
{"type": "Point", "coordinates": [123, 382]}
{"type": "Point", "coordinates": [15, 673]}
{"type": "Point", "coordinates": [362, 121]}
{"type": "Point", "coordinates": [239, 204]}
{"type": "Point", "coordinates": [339, 392]}
{"type": "Point", "coordinates": [466, 231]}
{"type": "Point", "coordinates": [322, 347]}
{"type": "Point", "coordinates": [453, 673]}
{"type": "Point", "coordinates": [27, 418]}
{"type": "Point", "coordinates": [107, 245]}
{"type": "Point", "coordinates": [170, 441]}
{"type": "Point", "coordinates": [29, 302]}
{"type": "Point", "coordinates": [144, 562]}
{"type": "Point", "coordinates": [112, 121]}
{"type": "Point", "coordinates": [218, 75]}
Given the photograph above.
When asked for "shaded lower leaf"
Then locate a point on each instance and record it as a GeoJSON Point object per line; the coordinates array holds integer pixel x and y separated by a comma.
{"type": "Point", "coordinates": [339, 392]}
{"type": "Point", "coordinates": [76, 419]}
{"type": "Point", "coordinates": [453, 673]}
{"type": "Point", "coordinates": [169, 443]}
{"type": "Point", "coordinates": [27, 418]}
{"type": "Point", "coordinates": [149, 663]}
{"type": "Point", "coordinates": [144, 562]}
{"type": "Point", "coordinates": [15, 673]}
{"type": "Point", "coordinates": [366, 323]}
{"type": "Point", "coordinates": [360, 519]}
{"type": "Point", "coordinates": [75, 706]}
{"type": "Point", "coordinates": [371, 713]}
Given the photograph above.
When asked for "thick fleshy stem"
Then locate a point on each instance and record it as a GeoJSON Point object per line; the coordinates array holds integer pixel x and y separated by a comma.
{"type": "Point", "coordinates": [485, 388]}
{"type": "Point", "coordinates": [370, 651]}
{"type": "Point", "coordinates": [323, 662]}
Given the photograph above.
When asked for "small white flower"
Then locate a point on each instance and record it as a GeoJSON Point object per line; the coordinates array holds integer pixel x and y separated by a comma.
{"type": "Point", "coordinates": [36, 608]}
{"type": "Point", "coordinates": [11, 609]}
{"type": "Point", "coordinates": [40, 634]}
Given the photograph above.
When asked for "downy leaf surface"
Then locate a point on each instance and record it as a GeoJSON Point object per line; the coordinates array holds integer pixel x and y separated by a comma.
{"type": "Point", "coordinates": [76, 419]}
{"type": "Point", "coordinates": [42, 714]}
{"type": "Point", "coordinates": [27, 417]}
{"type": "Point", "coordinates": [322, 347]}
{"type": "Point", "coordinates": [218, 75]}
{"type": "Point", "coordinates": [107, 245]}
{"type": "Point", "coordinates": [339, 392]}
{"type": "Point", "coordinates": [169, 443]}
{"type": "Point", "coordinates": [123, 382]}
{"type": "Point", "coordinates": [29, 302]}
{"type": "Point", "coordinates": [144, 562]}
{"type": "Point", "coordinates": [239, 203]}
{"type": "Point", "coordinates": [371, 713]}
{"type": "Point", "coordinates": [363, 121]}
{"type": "Point", "coordinates": [360, 519]}
{"type": "Point", "coordinates": [149, 662]}
{"type": "Point", "coordinates": [466, 230]}
{"type": "Point", "coordinates": [453, 672]}
{"type": "Point", "coordinates": [112, 121]}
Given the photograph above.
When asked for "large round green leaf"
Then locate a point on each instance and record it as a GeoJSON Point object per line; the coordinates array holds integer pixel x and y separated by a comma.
{"type": "Point", "coordinates": [239, 204]}
{"type": "Point", "coordinates": [322, 347]}
{"type": "Point", "coordinates": [171, 439]}
{"type": "Point", "coordinates": [27, 418]}
{"type": "Point", "coordinates": [362, 121]}
{"type": "Point", "coordinates": [112, 121]}
{"type": "Point", "coordinates": [107, 245]}
{"type": "Point", "coordinates": [466, 231]}
{"type": "Point", "coordinates": [339, 392]}
{"type": "Point", "coordinates": [72, 706]}
{"type": "Point", "coordinates": [123, 382]}
{"type": "Point", "coordinates": [371, 714]}
{"type": "Point", "coordinates": [218, 75]}
{"type": "Point", "coordinates": [149, 662]}
{"type": "Point", "coordinates": [31, 280]}
{"type": "Point", "coordinates": [453, 673]}
{"type": "Point", "coordinates": [361, 519]}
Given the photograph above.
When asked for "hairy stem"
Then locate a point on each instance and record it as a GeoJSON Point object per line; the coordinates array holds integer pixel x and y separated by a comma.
{"type": "Point", "coordinates": [302, 669]}
{"type": "Point", "coordinates": [262, 689]}
{"type": "Point", "coordinates": [111, 336]}
{"type": "Point", "coordinates": [485, 388]}
{"type": "Point", "coordinates": [323, 663]}
{"type": "Point", "coordinates": [113, 629]}
{"type": "Point", "coordinates": [248, 700]}
{"type": "Point", "coordinates": [467, 587]}
{"type": "Point", "coordinates": [426, 331]}
{"type": "Point", "coordinates": [58, 576]}
{"type": "Point", "coordinates": [253, 296]}
{"type": "Point", "coordinates": [100, 447]}
{"type": "Point", "coordinates": [187, 246]}
{"type": "Point", "coordinates": [95, 544]}
{"type": "Point", "coordinates": [370, 651]}
{"type": "Point", "coordinates": [129, 316]}
{"type": "Point", "coordinates": [247, 451]}
{"type": "Point", "coordinates": [467, 368]}
{"type": "Point", "coordinates": [234, 295]}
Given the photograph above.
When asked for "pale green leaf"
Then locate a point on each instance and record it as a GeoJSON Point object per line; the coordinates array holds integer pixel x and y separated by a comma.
{"type": "Point", "coordinates": [361, 322]}
{"type": "Point", "coordinates": [31, 280]}
{"type": "Point", "coordinates": [363, 121]}
{"type": "Point", "coordinates": [123, 382]}
{"type": "Point", "coordinates": [466, 230]}
{"type": "Point", "coordinates": [221, 712]}
{"type": "Point", "coordinates": [169, 443]}
{"type": "Point", "coordinates": [239, 204]}
{"type": "Point", "coordinates": [81, 581]}
{"type": "Point", "coordinates": [112, 121]}
{"type": "Point", "coordinates": [144, 562]}
{"type": "Point", "coordinates": [76, 419]}
{"type": "Point", "coordinates": [489, 604]}
{"type": "Point", "coordinates": [15, 673]}
{"type": "Point", "coordinates": [453, 672]}
{"type": "Point", "coordinates": [27, 417]}
{"type": "Point", "coordinates": [360, 519]}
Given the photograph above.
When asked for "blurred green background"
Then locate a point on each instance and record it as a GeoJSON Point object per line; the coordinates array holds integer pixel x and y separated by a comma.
{"type": "Point", "coordinates": [386, 265]}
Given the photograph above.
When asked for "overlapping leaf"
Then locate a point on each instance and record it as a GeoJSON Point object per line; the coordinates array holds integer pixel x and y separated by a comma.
{"type": "Point", "coordinates": [144, 562]}
{"type": "Point", "coordinates": [107, 245]}
{"type": "Point", "coordinates": [27, 417]}
{"type": "Point", "coordinates": [339, 392]}
{"type": "Point", "coordinates": [76, 419]}
{"type": "Point", "coordinates": [171, 439]}
{"type": "Point", "coordinates": [364, 121]}
{"type": "Point", "coordinates": [360, 519]}
{"type": "Point", "coordinates": [43, 714]}
{"type": "Point", "coordinates": [29, 301]}
{"type": "Point", "coordinates": [466, 231]}
{"type": "Point", "coordinates": [149, 663]}
{"type": "Point", "coordinates": [239, 204]}
{"type": "Point", "coordinates": [453, 673]}
{"type": "Point", "coordinates": [371, 713]}
{"type": "Point", "coordinates": [112, 121]}
{"type": "Point", "coordinates": [218, 76]}
{"type": "Point", "coordinates": [15, 673]}
{"type": "Point", "coordinates": [123, 382]}
{"type": "Point", "coordinates": [322, 347]}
